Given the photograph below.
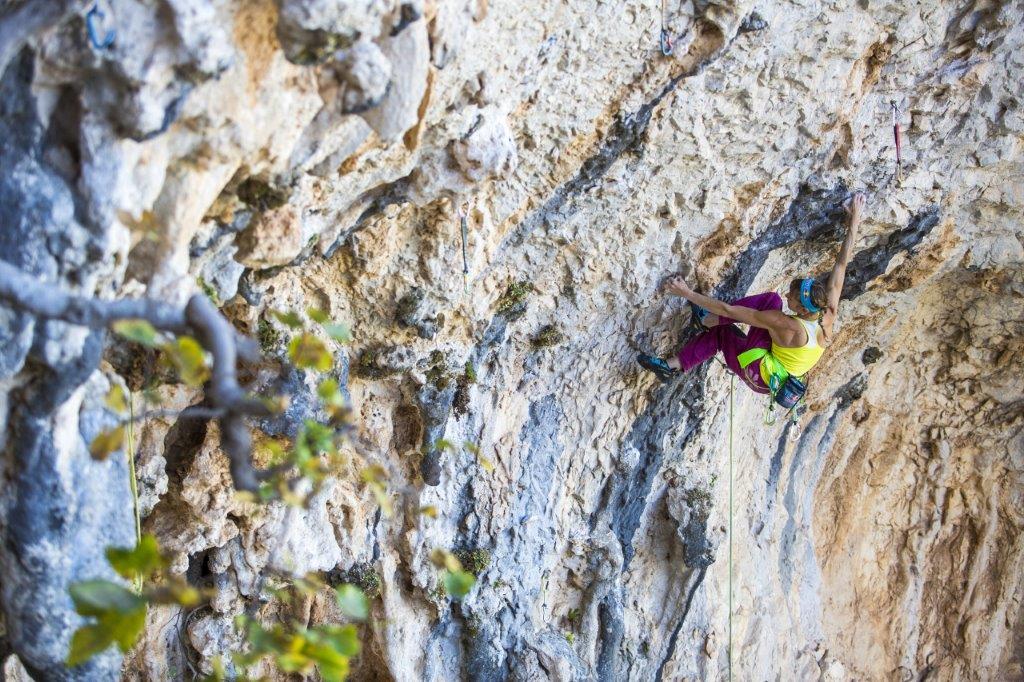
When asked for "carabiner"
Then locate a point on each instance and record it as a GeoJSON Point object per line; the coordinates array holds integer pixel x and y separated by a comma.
{"type": "Point", "coordinates": [94, 20]}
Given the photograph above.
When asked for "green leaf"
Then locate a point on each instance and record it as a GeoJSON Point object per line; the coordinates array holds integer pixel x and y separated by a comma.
{"type": "Point", "coordinates": [339, 332]}
{"type": "Point", "coordinates": [139, 561]}
{"type": "Point", "coordinates": [442, 444]}
{"type": "Point", "coordinates": [293, 663]}
{"type": "Point", "coordinates": [332, 664]}
{"type": "Point", "coordinates": [98, 597]}
{"type": "Point", "coordinates": [318, 316]}
{"type": "Point", "coordinates": [139, 331]}
{"type": "Point", "coordinates": [353, 602]}
{"type": "Point", "coordinates": [217, 674]}
{"type": "Point", "coordinates": [343, 638]}
{"type": "Point", "coordinates": [442, 558]}
{"type": "Point", "coordinates": [125, 627]}
{"type": "Point", "coordinates": [317, 437]}
{"type": "Point", "coordinates": [383, 501]}
{"type": "Point", "coordinates": [471, 447]}
{"type": "Point", "coordinates": [106, 443]}
{"type": "Point", "coordinates": [458, 583]}
{"type": "Point", "coordinates": [333, 672]}
{"type": "Point", "coordinates": [189, 360]}
{"type": "Point", "coordinates": [374, 473]}
{"type": "Point", "coordinates": [328, 391]}
{"type": "Point", "coordinates": [308, 352]}
{"type": "Point", "coordinates": [115, 399]}
{"type": "Point", "coordinates": [88, 641]}
{"type": "Point", "coordinates": [289, 319]}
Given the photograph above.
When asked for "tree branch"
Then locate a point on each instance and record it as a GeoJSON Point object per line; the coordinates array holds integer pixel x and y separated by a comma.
{"type": "Point", "coordinates": [200, 318]}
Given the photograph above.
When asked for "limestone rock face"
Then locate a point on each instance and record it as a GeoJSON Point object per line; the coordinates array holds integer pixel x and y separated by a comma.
{"type": "Point", "coordinates": [462, 182]}
{"type": "Point", "coordinates": [274, 237]}
{"type": "Point", "coordinates": [409, 56]}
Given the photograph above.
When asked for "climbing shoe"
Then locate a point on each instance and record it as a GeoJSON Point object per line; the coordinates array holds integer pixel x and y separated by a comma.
{"type": "Point", "coordinates": [697, 315]}
{"type": "Point", "coordinates": [656, 365]}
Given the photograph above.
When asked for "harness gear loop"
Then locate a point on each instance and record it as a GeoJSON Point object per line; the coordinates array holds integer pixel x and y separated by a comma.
{"type": "Point", "coordinates": [95, 19]}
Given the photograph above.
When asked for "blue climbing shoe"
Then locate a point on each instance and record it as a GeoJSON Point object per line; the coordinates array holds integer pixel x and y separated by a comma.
{"type": "Point", "coordinates": [697, 315]}
{"type": "Point", "coordinates": [656, 365]}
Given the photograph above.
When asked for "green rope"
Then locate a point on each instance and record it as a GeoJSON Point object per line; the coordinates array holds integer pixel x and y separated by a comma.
{"type": "Point", "coordinates": [130, 455]}
{"type": "Point", "coordinates": [732, 384]}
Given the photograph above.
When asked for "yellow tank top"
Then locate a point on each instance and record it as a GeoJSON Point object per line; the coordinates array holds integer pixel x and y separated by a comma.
{"type": "Point", "coordinates": [796, 361]}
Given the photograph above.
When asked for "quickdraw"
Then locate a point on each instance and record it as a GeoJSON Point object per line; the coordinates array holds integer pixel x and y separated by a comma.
{"type": "Point", "coordinates": [896, 136]}
{"type": "Point", "coordinates": [101, 33]}
{"type": "Point", "coordinates": [666, 41]}
{"type": "Point", "coordinates": [465, 261]}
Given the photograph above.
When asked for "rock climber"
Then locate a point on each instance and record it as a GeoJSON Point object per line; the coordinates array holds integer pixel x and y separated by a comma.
{"type": "Point", "coordinates": [777, 345]}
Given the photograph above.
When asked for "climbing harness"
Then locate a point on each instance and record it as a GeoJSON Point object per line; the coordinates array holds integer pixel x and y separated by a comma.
{"type": "Point", "coordinates": [465, 261]}
{"type": "Point", "coordinates": [896, 136]}
{"type": "Point", "coordinates": [786, 390]}
{"type": "Point", "coordinates": [732, 386]}
{"type": "Point", "coordinates": [99, 25]}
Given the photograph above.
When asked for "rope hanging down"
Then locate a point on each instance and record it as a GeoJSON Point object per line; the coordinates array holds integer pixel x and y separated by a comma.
{"type": "Point", "coordinates": [732, 385]}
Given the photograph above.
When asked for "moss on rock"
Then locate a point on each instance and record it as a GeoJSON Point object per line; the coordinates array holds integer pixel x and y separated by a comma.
{"type": "Point", "coordinates": [260, 195]}
{"type": "Point", "coordinates": [474, 561]}
{"type": "Point", "coordinates": [549, 335]}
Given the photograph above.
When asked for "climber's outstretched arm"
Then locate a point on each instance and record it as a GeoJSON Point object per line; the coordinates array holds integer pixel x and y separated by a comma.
{"type": "Point", "coordinates": [772, 320]}
{"type": "Point", "coordinates": [835, 280]}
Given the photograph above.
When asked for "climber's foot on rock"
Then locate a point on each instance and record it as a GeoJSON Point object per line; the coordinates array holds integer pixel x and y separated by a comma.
{"type": "Point", "coordinates": [656, 365]}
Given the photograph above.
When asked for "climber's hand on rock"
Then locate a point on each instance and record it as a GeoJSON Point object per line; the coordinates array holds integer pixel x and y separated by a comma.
{"type": "Point", "coordinates": [855, 206]}
{"type": "Point", "coordinates": [677, 285]}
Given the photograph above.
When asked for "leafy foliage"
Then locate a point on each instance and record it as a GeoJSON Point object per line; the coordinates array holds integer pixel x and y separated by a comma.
{"type": "Point", "coordinates": [299, 650]}
{"type": "Point", "coordinates": [187, 357]}
{"type": "Point", "coordinates": [474, 450]}
{"type": "Point", "coordinates": [107, 442]}
{"type": "Point", "coordinates": [353, 603]}
{"type": "Point", "coordinates": [120, 614]}
{"type": "Point", "coordinates": [117, 614]}
{"type": "Point", "coordinates": [295, 648]}
{"type": "Point", "coordinates": [139, 331]}
{"type": "Point", "coordinates": [115, 399]}
{"type": "Point", "coordinates": [375, 477]}
{"type": "Point", "coordinates": [137, 562]}
{"type": "Point", "coordinates": [307, 351]}
{"type": "Point", "coordinates": [456, 581]}
{"type": "Point", "coordinates": [288, 318]}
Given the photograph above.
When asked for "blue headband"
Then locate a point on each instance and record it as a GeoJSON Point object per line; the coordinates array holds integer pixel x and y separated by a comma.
{"type": "Point", "coordinates": [805, 295]}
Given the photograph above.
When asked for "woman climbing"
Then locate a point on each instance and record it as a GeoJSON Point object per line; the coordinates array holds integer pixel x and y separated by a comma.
{"type": "Point", "coordinates": [777, 345]}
